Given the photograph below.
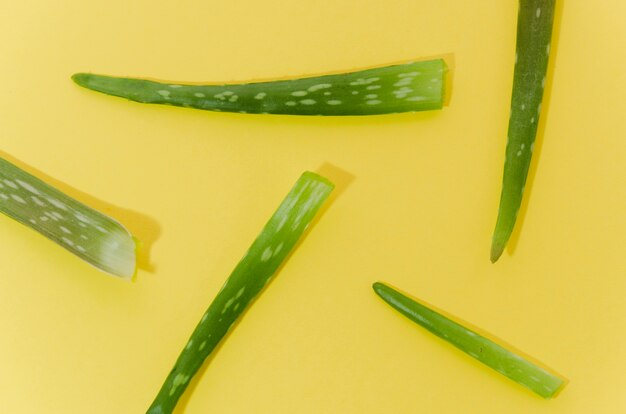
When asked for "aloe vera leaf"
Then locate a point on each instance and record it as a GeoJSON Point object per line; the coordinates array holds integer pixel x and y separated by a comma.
{"type": "Point", "coordinates": [509, 364]}
{"type": "Point", "coordinates": [254, 271]}
{"type": "Point", "coordinates": [97, 239]}
{"type": "Point", "coordinates": [534, 31]}
{"type": "Point", "coordinates": [416, 86]}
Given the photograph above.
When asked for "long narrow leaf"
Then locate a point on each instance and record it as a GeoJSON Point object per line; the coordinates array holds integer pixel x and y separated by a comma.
{"type": "Point", "coordinates": [507, 363]}
{"type": "Point", "coordinates": [534, 31]}
{"type": "Point", "coordinates": [416, 86]}
{"type": "Point", "coordinates": [254, 271]}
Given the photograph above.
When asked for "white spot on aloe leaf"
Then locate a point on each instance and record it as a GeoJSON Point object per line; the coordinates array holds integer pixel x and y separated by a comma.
{"type": "Point", "coordinates": [233, 98]}
{"type": "Point", "coordinates": [82, 218]}
{"type": "Point", "coordinates": [278, 248]}
{"type": "Point", "coordinates": [548, 49]}
{"type": "Point", "coordinates": [320, 86]}
{"type": "Point", "coordinates": [334, 102]}
{"type": "Point", "coordinates": [67, 241]}
{"type": "Point", "coordinates": [290, 103]}
{"type": "Point", "coordinates": [65, 230]}
{"type": "Point", "coordinates": [80, 248]}
{"type": "Point", "coordinates": [327, 93]}
{"type": "Point", "coordinates": [281, 223]}
{"type": "Point", "coordinates": [199, 95]}
{"type": "Point", "coordinates": [538, 12]}
{"type": "Point", "coordinates": [362, 81]}
{"type": "Point", "coordinates": [228, 304]}
{"type": "Point", "coordinates": [38, 201]}
{"type": "Point", "coordinates": [371, 96]}
{"type": "Point", "coordinates": [409, 74]}
{"type": "Point", "coordinates": [56, 203]}
{"type": "Point", "coordinates": [372, 87]}
{"type": "Point", "coordinates": [50, 215]}
{"type": "Point", "coordinates": [176, 86]}
{"type": "Point", "coordinates": [18, 199]}
{"type": "Point", "coordinates": [4, 196]}
{"type": "Point", "coordinates": [355, 92]}
{"type": "Point", "coordinates": [308, 102]}
{"type": "Point", "coordinates": [416, 98]}
{"type": "Point", "coordinates": [260, 95]}
{"type": "Point", "coordinates": [28, 187]}
{"type": "Point", "coordinates": [10, 184]}
{"type": "Point", "coordinates": [202, 345]}
{"type": "Point", "coordinates": [189, 344]}
{"type": "Point", "coordinates": [267, 254]}
{"type": "Point", "coordinates": [299, 93]}
{"type": "Point", "coordinates": [373, 102]}
{"type": "Point", "coordinates": [179, 379]}
{"type": "Point", "coordinates": [240, 292]}
{"type": "Point", "coordinates": [164, 93]}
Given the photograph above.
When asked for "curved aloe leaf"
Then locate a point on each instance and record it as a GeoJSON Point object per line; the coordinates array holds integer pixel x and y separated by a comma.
{"type": "Point", "coordinates": [90, 235]}
{"type": "Point", "coordinates": [416, 86]}
{"type": "Point", "coordinates": [254, 271]}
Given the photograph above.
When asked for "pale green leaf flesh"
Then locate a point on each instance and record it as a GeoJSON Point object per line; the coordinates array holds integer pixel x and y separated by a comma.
{"type": "Point", "coordinates": [97, 239]}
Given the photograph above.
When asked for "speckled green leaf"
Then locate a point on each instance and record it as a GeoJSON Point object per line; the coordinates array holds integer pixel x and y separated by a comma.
{"type": "Point", "coordinates": [90, 235]}
{"type": "Point", "coordinates": [507, 363]}
{"type": "Point", "coordinates": [534, 31]}
{"type": "Point", "coordinates": [254, 271]}
{"type": "Point", "coordinates": [416, 86]}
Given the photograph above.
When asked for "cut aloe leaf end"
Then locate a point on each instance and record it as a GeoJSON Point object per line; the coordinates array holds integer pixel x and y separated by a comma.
{"type": "Point", "coordinates": [97, 239]}
{"type": "Point", "coordinates": [415, 86]}
{"type": "Point", "coordinates": [507, 363]}
{"type": "Point", "coordinates": [254, 271]}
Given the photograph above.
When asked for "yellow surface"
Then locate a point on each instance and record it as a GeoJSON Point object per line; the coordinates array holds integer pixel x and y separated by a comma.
{"type": "Point", "coordinates": [197, 187]}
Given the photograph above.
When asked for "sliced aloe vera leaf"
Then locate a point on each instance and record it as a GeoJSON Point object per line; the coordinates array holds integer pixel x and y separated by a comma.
{"type": "Point", "coordinates": [534, 32]}
{"type": "Point", "coordinates": [507, 363]}
{"type": "Point", "coordinates": [254, 271]}
{"type": "Point", "coordinates": [415, 86]}
{"type": "Point", "coordinates": [97, 239]}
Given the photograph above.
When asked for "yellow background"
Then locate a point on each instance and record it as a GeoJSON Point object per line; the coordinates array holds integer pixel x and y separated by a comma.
{"type": "Point", "coordinates": [419, 202]}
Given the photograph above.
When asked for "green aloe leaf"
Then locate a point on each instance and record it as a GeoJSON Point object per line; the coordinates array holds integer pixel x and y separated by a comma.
{"type": "Point", "coordinates": [254, 271]}
{"type": "Point", "coordinates": [416, 86]}
{"type": "Point", "coordinates": [97, 239]}
{"type": "Point", "coordinates": [534, 31]}
{"type": "Point", "coordinates": [509, 364]}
